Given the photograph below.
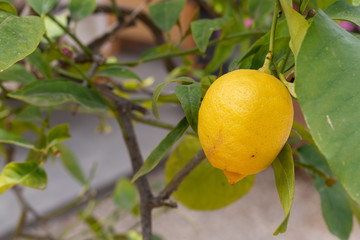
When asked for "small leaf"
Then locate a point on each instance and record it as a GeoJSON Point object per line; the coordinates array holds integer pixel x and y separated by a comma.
{"type": "Point", "coordinates": [17, 73]}
{"type": "Point", "coordinates": [162, 149]}
{"type": "Point", "coordinates": [297, 26]}
{"type": "Point", "coordinates": [125, 195]}
{"type": "Point", "coordinates": [285, 183]}
{"type": "Point", "coordinates": [19, 36]}
{"type": "Point", "coordinates": [80, 9]}
{"type": "Point", "coordinates": [160, 87]}
{"type": "Point", "coordinates": [58, 91]}
{"type": "Point", "coordinates": [303, 132]}
{"type": "Point", "coordinates": [190, 98]}
{"type": "Point", "coordinates": [71, 163]}
{"type": "Point", "coordinates": [202, 30]}
{"type": "Point", "coordinates": [11, 138]}
{"type": "Point", "coordinates": [343, 10]}
{"type": "Point", "coordinates": [206, 187]}
{"type": "Point", "coordinates": [117, 72]}
{"type": "Point", "coordinates": [7, 7]}
{"type": "Point", "coordinates": [57, 135]}
{"type": "Point", "coordinates": [28, 174]}
{"type": "Point", "coordinates": [53, 30]}
{"type": "Point", "coordinates": [38, 61]}
{"type": "Point", "coordinates": [303, 5]}
{"type": "Point", "coordinates": [166, 13]}
{"type": "Point", "coordinates": [356, 209]}
{"type": "Point", "coordinates": [42, 6]}
{"type": "Point", "coordinates": [94, 225]}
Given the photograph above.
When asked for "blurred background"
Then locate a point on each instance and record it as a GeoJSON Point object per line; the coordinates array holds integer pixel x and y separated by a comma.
{"type": "Point", "coordinates": [254, 217]}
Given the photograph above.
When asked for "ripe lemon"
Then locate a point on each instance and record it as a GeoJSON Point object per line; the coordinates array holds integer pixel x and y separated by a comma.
{"type": "Point", "coordinates": [245, 119]}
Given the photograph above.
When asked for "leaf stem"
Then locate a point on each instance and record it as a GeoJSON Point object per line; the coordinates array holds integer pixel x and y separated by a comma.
{"type": "Point", "coordinates": [329, 180]}
{"type": "Point", "coordinates": [269, 56]}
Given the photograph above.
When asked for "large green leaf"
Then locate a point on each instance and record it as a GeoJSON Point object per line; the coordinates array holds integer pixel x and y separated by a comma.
{"type": "Point", "coordinates": [28, 174]}
{"type": "Point", "coordinates": [71, 163]}
{"type": "Point", "coordinates": [202, 30]}
{"type": "Point", "coordinates": [206, 187]}
{"type": "Point", "coordinates": [125, 195]}
{"type": "Point", "coordinates": [285, 183]}
{"type": "Point", "coordinates": [335, 205]}
{"type": "Point", "coordinates": [11, 138]}
{"type": "Point", "coordinates": [166, 13]}
{"type": "Point", "coordinates": [42, 6]}
{"type": "Point", "coordinates": [190, 98]}
{"type": "Point", "coordinates": [329, 93]}
{"type": "Point", "coordinates": [17, 73]}
{"type": "Point", "coordinates": [58, 91]}
{"type": "Point", "coordinates": [343, 10]}
{"type": "Point", "coordinates": [19, 36]}
{"type": "Point", "coordinates": [80, 9]}
{"type": "Point", "coordinates": [297, 26]}
{"type": "Point", "coordinates": [162, 149]}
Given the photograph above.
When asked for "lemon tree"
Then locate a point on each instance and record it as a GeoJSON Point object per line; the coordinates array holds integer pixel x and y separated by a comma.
{"type": "Point", "coordinates": [235, 69]}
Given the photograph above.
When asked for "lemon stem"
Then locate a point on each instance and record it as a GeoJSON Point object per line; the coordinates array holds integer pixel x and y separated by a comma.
{"type": "Point", "coordinates": [269, 56]}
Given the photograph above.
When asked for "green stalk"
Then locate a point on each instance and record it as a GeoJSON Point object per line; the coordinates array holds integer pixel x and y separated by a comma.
{"type": "Point", "coordinates": [269, 56]}
{"type": "Point", "coordinates": [76, 39]}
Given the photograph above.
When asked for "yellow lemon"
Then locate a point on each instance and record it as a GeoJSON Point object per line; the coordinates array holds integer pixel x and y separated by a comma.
{"type": "Point", "coordinates": [245, 119]}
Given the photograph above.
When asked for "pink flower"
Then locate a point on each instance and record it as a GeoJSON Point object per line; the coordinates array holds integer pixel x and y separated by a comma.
{"type": "Point", "coordinates": [248, 22]}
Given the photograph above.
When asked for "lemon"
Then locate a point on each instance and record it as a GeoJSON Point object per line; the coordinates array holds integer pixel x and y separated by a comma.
{"type": "Point", "coordinates": [245, 119]}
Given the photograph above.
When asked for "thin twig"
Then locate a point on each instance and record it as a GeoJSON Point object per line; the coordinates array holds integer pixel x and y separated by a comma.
{"type": "Point", "coordinates": [180, 176]}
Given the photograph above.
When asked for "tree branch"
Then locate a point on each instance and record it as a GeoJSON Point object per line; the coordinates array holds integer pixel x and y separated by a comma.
{"type": "Point", "coordinates": [178, 178]}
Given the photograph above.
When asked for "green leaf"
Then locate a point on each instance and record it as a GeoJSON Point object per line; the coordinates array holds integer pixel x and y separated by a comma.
{"type": "Point", "coordinates": [303, 132]}
{"type": "Point", "coordinates": [285, 183]}
{"type": "Point", "coordinates": [95, 226]}
{"type": "Point", "coordinates": [190, 98]}
{"type": "Point", "coordinates": [19, 36]}
{"type": "Point", "coordinates": [38, 61]}
{"type": "Point", "coordinates": [223, 52]}
{"type": "Point", "coordinates": [343, 10]}
{"type": "Point", "coordinates": [29, 114]}
{"type": "Point", "coordinates": [17, 73]}
{"type": "Point", "coordinates": [303, 5]}
{"type": "Point", "coordinates": [80, 9]}
{"type": "Point", "coordinates": [53, 30]}
{"type": "Point", "coordinates": [166, 13]}
{"type": "Point", "coordinates": [330, 107]}
{"type": "Point", "coordinates": [71, 163]}
{"type": "Point", "coordinates": [162, 149]}
{"type": "Point", "coordinates": [57, 135]}
{"type": "Point", "coordinates": [202, 30]}
{"type": "Point", "coordinates": [297, 26]}
{"type": "Point", "coordinates": [28, 174]}
{"type": "Point", "coordinates": [118, 72]}
{"type": "Point", "coordinates": [335, 208]}
{"type": "Point", "coordinates": [11, 138]}
{"type": "Point", "coordinates": [335, 204]}
{"type": "Point", "coordinates": [58, 91]}
{"type": "Point", "coordinates": [42, 6]}
{"type": "Point", "coordinates": [7, 7]}
{"type": "Point", "coordinates": [206, 187]}
{"type": "Point", "coordinates": [160, 87]}
{"type": "Point", "coordinates": [356, 209]}
{"type": "Point", "coordinates": [125, 195]}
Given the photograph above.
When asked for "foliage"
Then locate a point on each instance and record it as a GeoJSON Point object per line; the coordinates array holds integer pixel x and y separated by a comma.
{"type": "Point", "coordinates": [302, 45]}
